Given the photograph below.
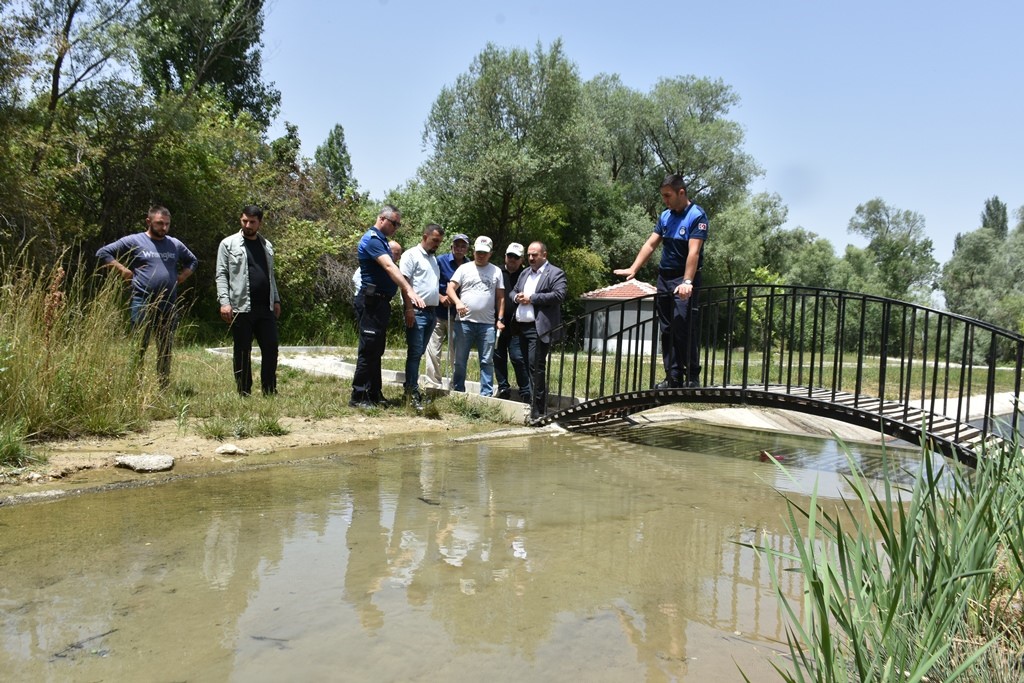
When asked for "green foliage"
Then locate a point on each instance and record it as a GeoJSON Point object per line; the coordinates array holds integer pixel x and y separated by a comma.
{"type": "Point", "coordinates": [315, 289]}
{"type": "Point", "coordinates": [584, 271]}
{"type": "Point", "coordinates": [901, 255]}
{"type": "Point", "coordinates": [64, 354]}
{"type": "Point", "coordinates": [919, 585]}
{"type": "Point", "coordinates": [185, 45]}
{"type": "Point", "coordinates": [14, 448]}
{"type": "Point", "coordinates": [333, 157]}
{"type": "Point", "coordinates": [509, 153]}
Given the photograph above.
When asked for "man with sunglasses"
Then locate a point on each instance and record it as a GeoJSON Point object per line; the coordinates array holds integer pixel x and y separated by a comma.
{"type": "Point", "coordinates": [381, 279]}
{"type": "Point", "coordinates": [507, 346]}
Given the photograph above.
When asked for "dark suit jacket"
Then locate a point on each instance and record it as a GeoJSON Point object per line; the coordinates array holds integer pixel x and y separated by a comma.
{"type": "Point", "coordinates": [547, 300]}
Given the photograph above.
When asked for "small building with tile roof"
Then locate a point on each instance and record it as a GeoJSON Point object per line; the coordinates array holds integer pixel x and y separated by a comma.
{"type": "Point", "coordinates": [608, 320]}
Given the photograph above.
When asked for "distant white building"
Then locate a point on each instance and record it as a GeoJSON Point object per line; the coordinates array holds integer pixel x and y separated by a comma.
{"type": "Point", "coordinates": [631, 325]}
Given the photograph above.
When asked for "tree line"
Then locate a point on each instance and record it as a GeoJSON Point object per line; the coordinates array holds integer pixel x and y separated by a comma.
{"type": "Point", "coordinates": [108, 106]}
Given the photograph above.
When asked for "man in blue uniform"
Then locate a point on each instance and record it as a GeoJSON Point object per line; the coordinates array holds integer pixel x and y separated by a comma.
{"type": "Point", "coordinates": [381, 280]}
{"type": "Point", "coordinates": [682, 229]}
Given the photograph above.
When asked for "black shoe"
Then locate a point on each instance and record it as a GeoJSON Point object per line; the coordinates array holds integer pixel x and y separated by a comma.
{"type": "Point", "coordinates": [692, 384]}
{"type": "Point", "coordinates": [504, 394]}
{"type": "Point", "coordinates": [363, 405]}
{"type": "Point", "coordinates": [667, 384]}
{"type": "Point", "coordinates": [525, 398]}
{"type": "Point", "coordinates": [414, 398]}
{"type": "Point", "coordinates": [535, 415]}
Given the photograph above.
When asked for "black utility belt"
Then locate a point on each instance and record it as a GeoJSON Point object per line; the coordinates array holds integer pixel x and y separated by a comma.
{"type": "Point", "coordinates": [375, 295]}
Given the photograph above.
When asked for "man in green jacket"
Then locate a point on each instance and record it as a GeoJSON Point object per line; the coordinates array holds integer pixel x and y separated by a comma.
{"type": "Point", "coordinates": [249, 300]}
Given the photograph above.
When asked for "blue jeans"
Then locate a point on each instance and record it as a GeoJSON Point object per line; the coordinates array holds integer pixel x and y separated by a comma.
{"type": "Point", "coordinates": [481, 337]}
{"type": "Point", "coordinates": [416, 338]}
{"type": "Point", "coordinates": [158, 317]}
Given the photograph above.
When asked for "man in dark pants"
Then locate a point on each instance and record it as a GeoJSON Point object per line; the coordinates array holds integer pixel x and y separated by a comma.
{"type": "Point", "coordinates": [381, 279]}
{"type": "Point", "coordinates": [683, 227]}
{"type": "Point", "coordinates": [249, 300]}
{"type": "Point", "coordinates": [157, 265]}
{"type": "Point", "coordinates": [539, 293]}
{"type": "Point", "coordinates": [508, 347]}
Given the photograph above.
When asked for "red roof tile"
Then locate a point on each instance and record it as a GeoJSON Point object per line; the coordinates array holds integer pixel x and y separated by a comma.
{"type": "Point", "coordinates": [630, 289]}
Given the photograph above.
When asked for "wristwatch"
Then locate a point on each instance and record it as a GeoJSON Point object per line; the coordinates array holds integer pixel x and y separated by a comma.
{"type": "Point", "coordinates": [687, 282]}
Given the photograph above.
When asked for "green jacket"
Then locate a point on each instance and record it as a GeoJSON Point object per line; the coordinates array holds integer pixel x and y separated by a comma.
{"type": "Point", "coordinates": [233, 273]}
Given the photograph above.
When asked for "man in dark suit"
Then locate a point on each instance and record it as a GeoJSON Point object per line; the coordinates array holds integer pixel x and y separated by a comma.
{"type": "Point", "coordinates": [539, 294]}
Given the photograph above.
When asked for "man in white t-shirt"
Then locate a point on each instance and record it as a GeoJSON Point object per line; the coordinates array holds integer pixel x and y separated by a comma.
{"type": "Point", "coordinates": [477, 291]}
{"type": "Point", "coordinates": [419, 266]}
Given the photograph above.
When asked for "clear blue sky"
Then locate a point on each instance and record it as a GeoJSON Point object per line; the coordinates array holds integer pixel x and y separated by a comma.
{"type": "Point", "coordinates": [919, 103]}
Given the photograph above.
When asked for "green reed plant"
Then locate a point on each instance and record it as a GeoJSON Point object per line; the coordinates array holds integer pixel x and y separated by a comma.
{"type": "Point", "coordinates": [919, 584]}
{"type": "Point", "coordinates": [65, 352]}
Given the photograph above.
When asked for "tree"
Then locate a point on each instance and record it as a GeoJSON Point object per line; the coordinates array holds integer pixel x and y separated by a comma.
{"type": "Point", "coordinates": [186, 44]}
{"type": "Point", "coordinates": [333, 157]}
{"type": "Point", "coordinates": [994, 217]}
{"type": "Point", "coordinates": [686, 128]}
{"type": "Point", "coordinates": [509, 151]}
{"type": "Point", "coordinates": [742, 232]}
{"type": "Point", "coordinates": [904, 266]}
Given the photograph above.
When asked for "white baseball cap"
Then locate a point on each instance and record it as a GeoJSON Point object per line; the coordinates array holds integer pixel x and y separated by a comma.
{"type": "Point", "coordinates": [483, 244]}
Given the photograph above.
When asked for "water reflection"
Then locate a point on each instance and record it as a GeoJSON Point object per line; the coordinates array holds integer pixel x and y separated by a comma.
{"type": "Point", "coordinates": [542, 558]}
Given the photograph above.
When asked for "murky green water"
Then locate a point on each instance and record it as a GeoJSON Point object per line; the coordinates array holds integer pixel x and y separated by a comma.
{"type": "Point", "coordinates": [534, 558]}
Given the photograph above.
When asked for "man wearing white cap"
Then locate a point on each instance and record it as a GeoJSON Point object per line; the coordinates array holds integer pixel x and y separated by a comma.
{"type": "Point", "coordinates": [477, 291]}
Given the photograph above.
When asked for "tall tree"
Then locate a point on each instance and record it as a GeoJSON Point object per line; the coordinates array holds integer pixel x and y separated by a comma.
{"type": "Point", "coordinates": [995, 218]}
{"type": "Point", "coordinates": [509, 151]}
{"type": "Point", "coordinates": [187, 44]}
{"type": "Point", "coordinates": [333, 157]}
{"type": "Point", "coordinates": [902, 255]}
{"type": "Point", "coordinates": [685, 126]}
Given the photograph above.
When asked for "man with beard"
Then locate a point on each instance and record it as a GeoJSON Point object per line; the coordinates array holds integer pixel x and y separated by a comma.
{"type": "Point", "coordinates": [419, 266]}
{"type": "Point", "coordinates": [157, 265]}
{"type": "Point", "coordinates": [249, 300]}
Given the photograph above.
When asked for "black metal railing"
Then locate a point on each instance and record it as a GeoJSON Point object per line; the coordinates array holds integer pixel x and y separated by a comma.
{"type": "Point", "coordinates": [950, 377]}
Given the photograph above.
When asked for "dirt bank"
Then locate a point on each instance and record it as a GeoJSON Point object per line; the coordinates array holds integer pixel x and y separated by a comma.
{"type": "Point", "coordinates": [79, 465]}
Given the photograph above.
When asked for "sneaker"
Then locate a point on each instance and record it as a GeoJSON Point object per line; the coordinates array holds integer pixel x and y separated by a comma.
{"type": "Point", "coordinates": [504, 394]}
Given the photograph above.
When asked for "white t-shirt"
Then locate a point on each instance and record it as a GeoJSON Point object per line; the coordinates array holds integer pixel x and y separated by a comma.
{"type": "Point", "coordinates": [478, 289]}
{"type": "Point", "coordinates": [420, 269]}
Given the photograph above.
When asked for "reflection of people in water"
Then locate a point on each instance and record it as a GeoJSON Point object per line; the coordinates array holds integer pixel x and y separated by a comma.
{"type": "Point", "coordinates": [221, 548]}
{"type": "Point", "coordinates": [366, 539]}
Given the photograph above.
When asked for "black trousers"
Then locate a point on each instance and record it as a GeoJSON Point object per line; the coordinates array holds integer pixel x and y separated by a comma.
{"type": "Point", "coordinates": [535, 351]}
{"type": "Point", "coordinates": [680, 330]}
{"type": "Point", "coordinates": [508, 348]}
{"type": "Point", "coordinates": [260, 325]}
{"type": "Point", "coordinates": [372, 315]}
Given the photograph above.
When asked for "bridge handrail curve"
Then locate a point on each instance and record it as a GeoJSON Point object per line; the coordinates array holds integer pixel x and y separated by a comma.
{"type": "Point", "coordinates": [803, 339]}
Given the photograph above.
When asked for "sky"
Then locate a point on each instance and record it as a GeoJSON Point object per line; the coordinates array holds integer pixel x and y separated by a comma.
{"type": "Point", "coordinates": [918, 103]}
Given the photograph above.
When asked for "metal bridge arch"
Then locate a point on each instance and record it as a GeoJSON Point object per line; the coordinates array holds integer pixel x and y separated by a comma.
{"type": "Point", "coordinates": [909, 371]}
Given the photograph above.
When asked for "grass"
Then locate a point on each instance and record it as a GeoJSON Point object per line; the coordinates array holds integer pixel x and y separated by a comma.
{"type": "Point", "coordinates": [69, 368]}
{"type": "Point", "coordinates": [919, 584]}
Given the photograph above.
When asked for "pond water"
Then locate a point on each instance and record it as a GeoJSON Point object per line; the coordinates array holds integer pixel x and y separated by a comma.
{"type": "Point", "coordinates": [610, 557]}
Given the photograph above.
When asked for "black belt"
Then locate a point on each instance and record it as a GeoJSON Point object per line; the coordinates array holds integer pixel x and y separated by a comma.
{"type": "Point", "coordinates": [669, 273]}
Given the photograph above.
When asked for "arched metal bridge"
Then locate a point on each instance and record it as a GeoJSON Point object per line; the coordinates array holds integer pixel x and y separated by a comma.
{"type": "Point", "coordinates": [908, 371]}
